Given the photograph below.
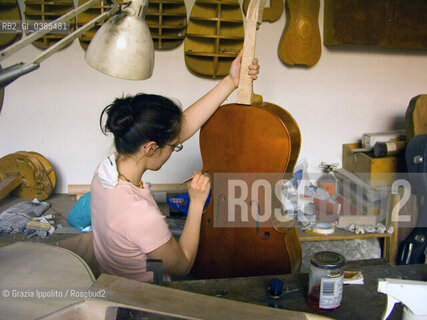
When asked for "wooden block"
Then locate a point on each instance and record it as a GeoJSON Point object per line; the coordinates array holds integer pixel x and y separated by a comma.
{"type": "Point", "coordinates": [374, 171]}
{"type": "Point", "coordinates": [78, 189]}
{"type": "Point", "coordinates": [358, 219]}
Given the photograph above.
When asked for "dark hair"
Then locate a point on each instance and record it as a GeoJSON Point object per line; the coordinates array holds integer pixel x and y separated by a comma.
{"type": "Point", "coordinates": [135, 120]}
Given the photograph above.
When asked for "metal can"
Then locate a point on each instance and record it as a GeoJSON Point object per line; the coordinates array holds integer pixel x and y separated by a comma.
{"type": "Point", "coordinates": [326, 280]}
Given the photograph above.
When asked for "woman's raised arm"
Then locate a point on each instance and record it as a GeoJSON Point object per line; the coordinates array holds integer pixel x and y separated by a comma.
{"type": "Point", "coordinates": [200, 111]}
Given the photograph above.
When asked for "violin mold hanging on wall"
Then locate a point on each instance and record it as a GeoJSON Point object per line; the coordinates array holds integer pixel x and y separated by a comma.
{"type": "Point", "coordinates": [214, 37]}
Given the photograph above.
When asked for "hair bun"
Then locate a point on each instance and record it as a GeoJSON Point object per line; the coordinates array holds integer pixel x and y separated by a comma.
{"type": "Point", "coordinates": [136, 120]}
{"type": "Point", "coordinates": [120, 117]}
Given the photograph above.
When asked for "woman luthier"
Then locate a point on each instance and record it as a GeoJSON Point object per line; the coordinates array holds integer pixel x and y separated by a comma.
{"type": "Point", "coordinates": [128, 227]}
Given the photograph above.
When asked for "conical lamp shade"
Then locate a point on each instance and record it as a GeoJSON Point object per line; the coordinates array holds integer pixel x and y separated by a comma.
{"type": "Point", "coordinates": [123, 48]}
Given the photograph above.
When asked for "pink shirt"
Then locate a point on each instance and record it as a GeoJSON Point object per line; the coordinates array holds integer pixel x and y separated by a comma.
{"type": "Point", "coordinates": [127, 224]}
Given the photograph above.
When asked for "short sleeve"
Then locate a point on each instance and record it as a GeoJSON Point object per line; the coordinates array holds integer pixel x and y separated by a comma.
{"type": "Point", "coordinates": [148, 229]}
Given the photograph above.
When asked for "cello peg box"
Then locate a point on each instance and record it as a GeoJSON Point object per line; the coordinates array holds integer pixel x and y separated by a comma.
{"type": "Point", "coordinates": [373, 171]}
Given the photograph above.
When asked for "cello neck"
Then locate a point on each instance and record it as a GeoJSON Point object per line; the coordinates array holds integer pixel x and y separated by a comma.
{"type": "Point", "coordinates": [253, 19]}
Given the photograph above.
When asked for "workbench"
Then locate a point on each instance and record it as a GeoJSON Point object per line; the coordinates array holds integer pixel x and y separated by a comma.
{"type": "Point", "coordinates": [359, 301]}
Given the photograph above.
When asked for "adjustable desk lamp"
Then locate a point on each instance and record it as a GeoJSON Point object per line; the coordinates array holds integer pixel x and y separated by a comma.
{"type": "Point", "coordinates": [122, 47]}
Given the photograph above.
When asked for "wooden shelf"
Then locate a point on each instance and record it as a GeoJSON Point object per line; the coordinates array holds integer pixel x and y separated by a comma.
{"type": "Point", "coordinates": [215, 19]}
{"type": "Point", "coordinates": [48, 3]}
{"type": "Point", "coordinates": [156, 37]}
{"type": "Point", "coordinates": [156, 13]}
{"type": "Point", "coordinates": [231, 55]}
{"type": "Point", "coordinates": [7, 3]}
{"type": "Point", "coordinates": [100, 6]}
{"type": "Point", "coordinates": [30, 13]}
{"type": "Point", "coordinates": [165, 26]}
{"type": "Point", "coordinates": [391, 242]}
{"type": "Point", "coordinates": [339, 234]}
{"type": "Point", "coordinates": [219, 2]}
{"type": "Point", "coordinates": [166, 2]}
{"type": "Point", "coordinates": [215, 36]}
{"type": "Point", "coordinates": [168, 10]}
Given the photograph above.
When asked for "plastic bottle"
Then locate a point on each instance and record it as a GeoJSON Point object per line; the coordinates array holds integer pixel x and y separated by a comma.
{"type": "Point", "coordinates": [327, 181]}
{"type": "Point", "coordinates": [411, 293]}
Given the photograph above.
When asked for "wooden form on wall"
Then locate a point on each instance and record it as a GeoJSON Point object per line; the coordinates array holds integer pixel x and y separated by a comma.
{"type": "Point", "coordinates": [385, 23]}
{"type": "Point", "coordinates": [300, 43]}
{"type": "Point", "coordinates": [271, 13]}
{"type": "Point", "coordinates": [9, 10]}
{"type": "Point", "coordinates": [416, 117]}
{"type": "Point", "coordinates": [167, 20]}
{"type": "Point", "coordinates": [27, 174]}
{"type": "Point", "coordinates": [214, 37]}
{"type": "Point", "coordinates": [48, 10]}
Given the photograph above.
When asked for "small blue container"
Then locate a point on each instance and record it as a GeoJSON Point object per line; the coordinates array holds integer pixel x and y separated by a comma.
{"type": "Point", "coordinates": [181, 202]}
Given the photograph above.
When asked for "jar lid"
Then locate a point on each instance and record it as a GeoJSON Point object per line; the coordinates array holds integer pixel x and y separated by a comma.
{"type": "Point", "coordinates": [327, 260]}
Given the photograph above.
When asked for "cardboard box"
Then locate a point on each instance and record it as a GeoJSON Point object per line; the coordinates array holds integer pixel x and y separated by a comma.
{"type": "Point", "coordinates": [373, 171]}
{"type": "Point", "coordinates": [369, 139]}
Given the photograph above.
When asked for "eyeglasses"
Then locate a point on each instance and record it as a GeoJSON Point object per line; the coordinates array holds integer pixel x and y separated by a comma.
{"type": "Point", "coordinates": [177, 147]}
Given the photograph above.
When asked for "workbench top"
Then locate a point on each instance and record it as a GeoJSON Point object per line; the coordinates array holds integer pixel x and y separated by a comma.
{"type": "Point", "coordinates": [359, 301]}
{"type": "Point", "coordinates": [58, 203]}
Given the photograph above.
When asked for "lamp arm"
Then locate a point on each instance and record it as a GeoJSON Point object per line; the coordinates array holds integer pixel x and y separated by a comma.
{"type": "Point", "coordinates": [14, 72]}
{"type": "Point", "coordinates": [77, 33]}
{"type": "Point", "coordinates": [64, 18]}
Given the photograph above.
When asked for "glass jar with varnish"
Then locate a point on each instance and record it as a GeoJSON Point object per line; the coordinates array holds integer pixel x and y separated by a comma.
{"type": "Point", "coordinates": [326, 280]}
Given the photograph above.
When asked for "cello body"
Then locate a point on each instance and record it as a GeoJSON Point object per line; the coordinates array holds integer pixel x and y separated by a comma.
{"type": "Point", "coordinates": [246, 148]}
{"type": "Point", "coordinates": [237, 142]}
